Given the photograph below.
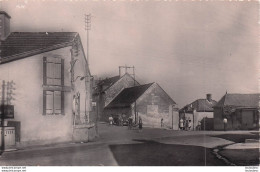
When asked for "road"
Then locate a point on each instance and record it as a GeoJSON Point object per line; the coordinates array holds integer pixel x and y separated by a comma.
{"type": "Point", "coordinates": [118, 146]}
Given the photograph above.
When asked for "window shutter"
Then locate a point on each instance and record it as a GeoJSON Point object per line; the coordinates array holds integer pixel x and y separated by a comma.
{"type": "Point", "coordinates": [62, 103]}
{"type": "Point", "coordinates": [62, 72]}
{"type": "Point", "coordinates": [44, 102]}
{"type": "Point", "coordinates": [44, 71]}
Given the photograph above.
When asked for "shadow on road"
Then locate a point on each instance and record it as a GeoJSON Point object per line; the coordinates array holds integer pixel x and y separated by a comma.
{"type": "Point", "coordinates": [151, 153]}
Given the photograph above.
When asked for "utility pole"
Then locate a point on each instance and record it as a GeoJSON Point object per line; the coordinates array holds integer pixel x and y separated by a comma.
{"type": "Point", "coordinates": [88, 28]}
{"type": "Point", "coordinates": [89, 79]}
{"type": "Point", "coordinates": [2, 118]}
{"type": "Point", "coordinates": [126, 71]}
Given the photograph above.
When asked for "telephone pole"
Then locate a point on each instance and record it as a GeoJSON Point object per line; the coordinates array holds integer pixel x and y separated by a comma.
{"type": "Point", "coordinates": [88, 28]}
{"type": "Point", "coordinates": [2, 118]}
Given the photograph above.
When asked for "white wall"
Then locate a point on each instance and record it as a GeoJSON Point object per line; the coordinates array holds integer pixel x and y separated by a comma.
{"type": "Point", "coordinates": [27, 75]}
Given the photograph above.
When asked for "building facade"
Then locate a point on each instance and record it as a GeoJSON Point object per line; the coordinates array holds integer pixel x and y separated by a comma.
{"type": "Point", "coordinates": [150, 102]}
{"type": "Point", "coordinates": [46, 77]}
{"type": "Point", "coordinates": [241, 112]}
{"type": "Point", "coordinates": [197, 111]}
{"type": "Point", "coordinates": [108, 89]}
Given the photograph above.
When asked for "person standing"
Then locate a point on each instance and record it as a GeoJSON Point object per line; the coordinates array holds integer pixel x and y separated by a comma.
{"type": "Point", "coordinates": [130, 123]}
{"type": "Point", "coordinates": [140, 124]}
{"type": "Point", "coordinates": [162, 123]}
{"type": "Point", "coordinates": [199, 125]}
{"type": "Point", "coordinates": [184, 124]}
{"type": "Point", "coordinates": [225, 124]}
{"type": "Point", "coordinates": [181, 124]}
{"type": "Point", "coordinates": [110, 120]}
{"type": "Point", "coordinates": [189, 124]}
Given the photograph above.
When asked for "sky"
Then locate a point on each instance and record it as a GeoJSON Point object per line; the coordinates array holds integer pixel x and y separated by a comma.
{"type": "Point", "coordinates": [189, 48]}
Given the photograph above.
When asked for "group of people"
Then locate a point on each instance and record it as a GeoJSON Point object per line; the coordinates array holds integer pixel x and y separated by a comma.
{"type": "Point", "coordinates": [131, 123]}
{"type": "Point", "coordinates": [120, 122]}
{"type": "Point", "coordinates": [185, 124]}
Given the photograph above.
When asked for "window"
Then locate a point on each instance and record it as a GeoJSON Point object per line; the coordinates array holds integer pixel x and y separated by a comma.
{"type": "Point", "coordinates": [53, 71]}
{"type": "Point", "coordinates": [53, 102]}
{"type": "Point", "coordinates": [53, 80]}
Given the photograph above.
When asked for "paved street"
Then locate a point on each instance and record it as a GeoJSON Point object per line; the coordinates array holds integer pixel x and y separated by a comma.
{"type": "Point", "coordinates": [120, 146]}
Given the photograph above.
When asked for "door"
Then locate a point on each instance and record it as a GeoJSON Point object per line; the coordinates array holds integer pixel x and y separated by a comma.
{"type": "Point", "coordinates": [247, 119]}
{"type": "Point", "coordinates": [9, 136]}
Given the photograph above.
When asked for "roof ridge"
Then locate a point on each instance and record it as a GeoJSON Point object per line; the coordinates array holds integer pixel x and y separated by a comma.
{"type": "Point", "coordinates": [141, 85]}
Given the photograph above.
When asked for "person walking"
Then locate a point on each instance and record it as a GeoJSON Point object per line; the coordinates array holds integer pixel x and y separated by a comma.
{"type": "Point", "coordinates": [140, 124]}
{"type": "Point", "coordinates": [162, 123]}
{"type": "Point", "coordinates": [130, 123]}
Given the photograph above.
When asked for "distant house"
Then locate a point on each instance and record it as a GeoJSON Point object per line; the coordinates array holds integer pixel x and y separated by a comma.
{"type": "Point", "coordinates": [240, 110]}
{"type": "Point", "coordinates": [149, 101]}
{"type": "Point", "coordinates": [107, 89]}
{"type": "Point", "coordinates": [46, 77]}
{"type": "Point", "coordinates": [197, 110]}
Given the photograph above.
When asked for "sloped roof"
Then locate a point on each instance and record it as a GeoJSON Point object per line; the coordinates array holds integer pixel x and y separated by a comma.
{"type": "Point", "coordinates": [239, 100]}
{"type": "Point", "coordinates": [3, 12]}
{"type": "Point", "coordinates": [200, 105]}
{"type": "Point", "coordinates": [109, 81]}
{"type": "Point", "coordinates": [128, 96]}
{"type": "Point", "coordinates": [23, 44]}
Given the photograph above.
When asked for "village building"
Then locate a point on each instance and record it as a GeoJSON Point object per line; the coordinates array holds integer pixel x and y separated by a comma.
{"type": "Point", "coordinates": [199, 113]}
{"type": "Point", "coordinates": [107, 89]}
{"type": "Point", "coordinates": [238, 111]}
{"type": "Point", "coordinates": [149, 101]}
{"type": "Point", "coordinates": [45, 78]}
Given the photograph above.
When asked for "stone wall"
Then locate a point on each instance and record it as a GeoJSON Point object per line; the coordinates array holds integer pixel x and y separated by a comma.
{"type": "Point", "coordinates": [153, 106]}
{"type": "Point", "coordinates": [27, 74]}
{"type": "Point", "coordinates": [124, 82]}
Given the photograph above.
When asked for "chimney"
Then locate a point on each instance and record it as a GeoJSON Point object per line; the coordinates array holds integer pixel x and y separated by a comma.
{"type": "Point", "coordinates": [4, 25]}
{"type": "Point", "coordinates": [209, 97]}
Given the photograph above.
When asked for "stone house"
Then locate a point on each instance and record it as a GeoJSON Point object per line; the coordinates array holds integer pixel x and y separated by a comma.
{"type": "Point", "coordinates": [149, 101]}
{"type": "Point", "coordinates": [240, 110]}
{"type": "Point", "coordinates": [197, 110]}
{"type": "Point", "coordinates": [50, 80]}
{"type": "Point", "coordinates": [107, 89]}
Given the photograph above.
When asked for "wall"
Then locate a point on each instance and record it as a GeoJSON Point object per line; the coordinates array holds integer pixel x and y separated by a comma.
{"type": "Point", "coordinates": [238, 120]}
{"type": "Point", "coordinates": [83, 86]}
{"type": "Point", "coordinates": [218, 119]}
{"type": "Point", "coordinates": [5, 26]}
{"type": "Point", "coordinates": [27, 75]}
{"type": "Point", "coordinates": [153, 106]}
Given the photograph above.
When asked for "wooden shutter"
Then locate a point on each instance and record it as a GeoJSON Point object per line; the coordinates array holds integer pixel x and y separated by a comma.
{"type": "Point", "coordinates": [44, 71]}
{"type": "Point", "coordinates": [62, 103]}
{"type": "Point", "coordinates": [62, 72]}
{"type": "Point", "coordinates": [57, 102]}
{"type": "Point", "coordinates": [50, 102]}
{"type": "Point", "coordinates": [44, 102]}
